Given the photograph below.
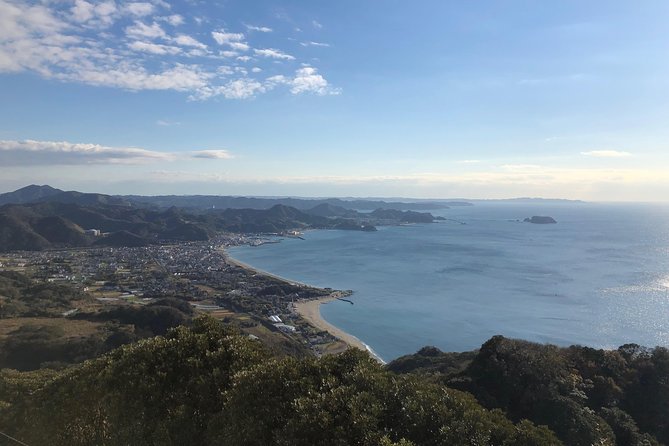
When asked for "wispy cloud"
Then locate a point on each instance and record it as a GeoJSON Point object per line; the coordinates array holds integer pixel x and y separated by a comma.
{"type": "Point", "coordinates": [45, 153]}
{"type": "Point", "coordinates": [174, 19]}
{"type": "Point", "coordinates": [262, 29]}
{"type": "Point", "coordinates": [607, 154]}
{"type": "Point", "coordinates": [185, 40]}
{"type": "Point", "coordinates": [225, 38]}
{"type": "Point", "coordinates": [77, 43]}
{"type": "Point", "coordinates": [101, 14]}
{"type": "Point", "coordinates": [153, 48]}
{"type": "Point", "coordinates": [34, 153]}
{"type": "Point", "coordinates": [546, 178]}
{"type": "Point", "coordinates": [273, 53]}
{"type": "Point", "coordinates": [213, 154]}
{"type": "Point", "coordinates": [141, 30]}
{"type": "Point", "coordinates": [140, 9]}
{"type": "Point", "coordinates": [319, 44]}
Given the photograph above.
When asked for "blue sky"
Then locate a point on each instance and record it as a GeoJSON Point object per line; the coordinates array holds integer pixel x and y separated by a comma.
{"type": "Point", "coordinates": [441, 98]}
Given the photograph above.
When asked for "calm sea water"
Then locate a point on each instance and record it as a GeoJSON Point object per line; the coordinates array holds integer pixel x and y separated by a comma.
{"type": "Point", "coordinates": [600, 277]}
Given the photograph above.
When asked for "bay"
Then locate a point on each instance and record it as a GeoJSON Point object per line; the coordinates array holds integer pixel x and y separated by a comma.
{"type": "Point", "coordinates": [600, 277]}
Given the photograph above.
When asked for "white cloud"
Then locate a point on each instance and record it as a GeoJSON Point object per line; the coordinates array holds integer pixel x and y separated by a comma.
{"type": "Point", "coordinates": [82, 11]}
{"type": "Point", "coordinates": [262, 29]}
{"type": "Point", "coordinates": [607, 154]}
{"type": "Point", "coordinates": [273, 53]}
{"type": "Point", "coordinates": [139, 9]}
{"type": "Point", "coordinates": [30, 152]}
{"type": "Point", "coordinates": [278, 79]}
{"type": "Point", "coordinates": [236, 89]}
{"type": "Point", "coordinates": [101, 14]}
{"type": "Point", "coordinates": [239, 46]}
{"type": "Point", "coordinates": [174, 19]}
{"type": "Point", "coordinates": [185, 40]}
{"type": "Point", "coordinates": [180, 78]}
{"type": "Point", "coordinates": [20, 21]}
{"type": "Point", "coordinates": [224, 70]}
{"type": "Point", "coordinates": [224, 38]}
{"type": "Point", "coordinates": [97, 15]}
{"type": "Point", "coordinates": [319, 44]}
{"type": "Point", "coordinates": [307, 80]}
{"type": "Point", "coordinates": [141, 30]}
{"type": "Point", "coordinates": [74, 43]}
{"type": "Point", "coordinates": [153, 48]}
{"type": "Point", "coordinates": [316, 24]}
{"type": "Point", "coordinates": [213, 154]}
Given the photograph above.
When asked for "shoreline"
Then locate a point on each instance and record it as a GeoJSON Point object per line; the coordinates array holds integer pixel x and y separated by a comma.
{"type": "Point", "coordinates": [310, 310]}
{"type": "Point", "coordinates": [231, 260]}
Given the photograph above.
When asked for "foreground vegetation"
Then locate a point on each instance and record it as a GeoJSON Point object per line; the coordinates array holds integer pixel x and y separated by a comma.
{"type": "Point", "coordinates": [208, 385]}
{"type": "Point", "coordinates": [586, 396]}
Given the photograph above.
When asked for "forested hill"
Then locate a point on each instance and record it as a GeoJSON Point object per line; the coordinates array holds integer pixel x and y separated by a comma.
{"type": "Point", "coordinates": [586, 396]}
{"type": "Point", "coordinates": [51, 224]}
{"type": "Point", "coordinates": [209, 385]}
{"type": "Point", "coordinates": [206, 385]}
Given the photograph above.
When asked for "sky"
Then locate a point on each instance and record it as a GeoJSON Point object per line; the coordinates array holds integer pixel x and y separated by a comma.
{"type": "Point", "coordinates": [423, 99]}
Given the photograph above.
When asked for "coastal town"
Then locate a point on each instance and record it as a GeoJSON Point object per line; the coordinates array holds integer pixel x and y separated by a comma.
{"type": "Point", "coordinates": [280, 313]}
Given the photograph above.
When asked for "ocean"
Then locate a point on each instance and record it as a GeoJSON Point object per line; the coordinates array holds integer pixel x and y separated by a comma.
{"type": "Point", "coordinates": [600, 277]}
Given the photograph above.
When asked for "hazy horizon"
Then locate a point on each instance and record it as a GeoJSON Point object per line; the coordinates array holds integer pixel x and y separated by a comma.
{"type": "Point", "coordinates": [361, 197]}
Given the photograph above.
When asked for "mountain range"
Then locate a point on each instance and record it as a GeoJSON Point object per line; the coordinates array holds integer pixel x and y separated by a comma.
{"type": "Point", "coordinates": [47, 218]}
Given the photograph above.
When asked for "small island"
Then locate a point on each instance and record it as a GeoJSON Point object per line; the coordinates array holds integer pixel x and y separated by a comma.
{"type": "Point", "coordinates": [539, 220]}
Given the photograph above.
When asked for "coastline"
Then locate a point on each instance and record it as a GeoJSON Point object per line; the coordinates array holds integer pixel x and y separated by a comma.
{"type": "Point", "coordinates": [246, 266]}
{"type": "Point", "coordinates": [310, 310]}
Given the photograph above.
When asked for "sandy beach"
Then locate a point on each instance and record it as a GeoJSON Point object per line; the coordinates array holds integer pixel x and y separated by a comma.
{"type": "Point", "coordinates": [248, 267]}
{"type": "Point", "coordinates": [310, 310]}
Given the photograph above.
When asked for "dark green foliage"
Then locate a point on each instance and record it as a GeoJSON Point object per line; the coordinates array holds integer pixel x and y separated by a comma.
{"type": "Point", "coordinates": [180, 304]}
{"type": "Point", "coordinates": [626, 431]}
{"type": "Point", "coordinates": [206, 385]}
{"type": "Point", "coordinates": [402, 216]}
{"type": "Point", "coordinates": [646, 395]}
{"type": "Point", "coordinates": [155, 318]}
{"type": "Point", "coordinates": [32, 346]}
{"type": "Point", "coordinates": [586, 396]}
{"type": "Point", "coordinates": [432, 360]}
{"type": "Point", "coordinates": [59, 231]}
{"type": "Point", "coordinates": [122, 238]}
{"type": "Point", "coordinates": [53, 223]}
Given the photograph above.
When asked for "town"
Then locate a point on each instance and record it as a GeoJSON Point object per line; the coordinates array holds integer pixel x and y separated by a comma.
{"type": "Point", "coordinates": [200, 273]}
